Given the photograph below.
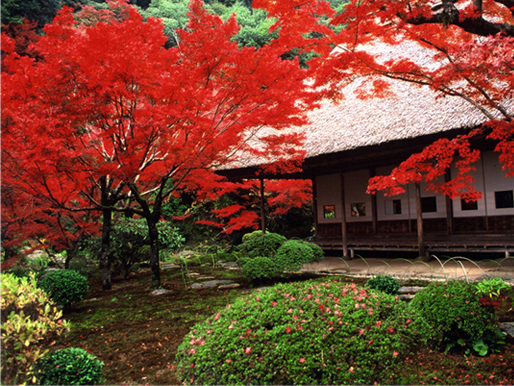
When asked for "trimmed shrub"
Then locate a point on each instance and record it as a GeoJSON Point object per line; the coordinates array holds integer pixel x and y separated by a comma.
{"type": "Point", "coordinates": [30, 326]}
{"type": "Point", "coordinates": [263, 245]}
{"type": "Point", "coordinates": [251, 235]}
{"type": "Point", "coordinates": [302, 333]}
{"type": "Point", "coordinates": [457, 318]}
{"type": "Point", "coordinates": [64, 286]}
{"type": "Point", "coordinates": [293, 254]}
{"type": "Point", "coordinates": [259, 269]}
{"type": "Point", "coordinates": [318, 253]}
{"type": "Point", "coordinates": [384, 283]}
{"type": "Point", "coordinates": [70, 366]}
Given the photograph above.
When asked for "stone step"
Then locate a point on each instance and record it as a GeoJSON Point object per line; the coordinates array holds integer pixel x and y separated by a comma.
{"type": "Point", "coordinates": [508, 328]}
{"type": "Point", "coordinates": [410, 290]}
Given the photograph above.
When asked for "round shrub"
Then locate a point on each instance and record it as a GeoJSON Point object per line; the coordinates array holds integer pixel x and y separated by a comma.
{"type": "Point", "coordinates": [70, 366]}
{"type": "Point", "coordinates": [318, 253]}
{"type": "Point", "coordinates": [293, 254]}
{"type": "Point", "coordinates": [259, 269]}
{"type": "Point", "coordinates": [311, 332]}
{"type": "Point", "coordinates": [64, 286]}
{"type": "Point", "coordinates": [31, 324]}
{"type": "Point", "coordinates": [251, 235]}
{"type": "Point", "coordinates": [456, 317]}
{"type": "Point", "coordinates": [263, 245]}
{"type": "Point", "coordinates": [384, 283]}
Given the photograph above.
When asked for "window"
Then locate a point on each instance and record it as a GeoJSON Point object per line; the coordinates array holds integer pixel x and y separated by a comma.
{"type": "Point", "coordinates": [428, 204]}
{"type": "Point", "coordinates": [504, 199]}
{"type": "Point", "coordinates": [469, 205]}
{"type": "Point", "coordinates": [358, 209]}
{"type": "Point", "coordinates": [393, 207]}
{"type": "Point", "coordinates": [329, 211]}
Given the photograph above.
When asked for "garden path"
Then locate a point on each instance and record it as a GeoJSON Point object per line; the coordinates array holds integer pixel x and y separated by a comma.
{"type": "Point", "coordinates": [458, 268]}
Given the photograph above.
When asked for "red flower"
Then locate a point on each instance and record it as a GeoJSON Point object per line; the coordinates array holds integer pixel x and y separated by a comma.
{"type": "Point", "coordinates": [288, 329]}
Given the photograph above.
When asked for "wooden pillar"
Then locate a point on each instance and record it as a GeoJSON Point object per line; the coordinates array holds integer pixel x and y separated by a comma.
{"type": "Point", "coordinates": [419, 216]}
{"type": "Point", "coordinates": [344, 232]}
{"type": "Point", "coordinates": [484, 189]}
{"type": "Point", "coordinates": [449, 206]}
{"type": "Point", "coordinates": [263, 207]}
{"type": "Point", "coordinates": [374, 215]}
{"type": "Point", "coordinates": [315, 206]}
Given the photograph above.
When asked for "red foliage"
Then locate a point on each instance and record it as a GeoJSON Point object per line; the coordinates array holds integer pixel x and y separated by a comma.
{"type": "Point", "coordinates": [463, 58]}
{"type": "Point", "coordinates": [107, 110]}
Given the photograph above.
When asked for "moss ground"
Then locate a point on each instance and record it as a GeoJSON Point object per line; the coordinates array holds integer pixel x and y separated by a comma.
{"type": "Point", "coordinates": [136, 335]}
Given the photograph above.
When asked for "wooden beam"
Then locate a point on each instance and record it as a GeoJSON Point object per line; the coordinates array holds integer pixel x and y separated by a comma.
{"type": "Point", "coordinates": [419, 217]}
{"type": "Point", "coordinates": [344, 233]}
{"type": "Point", "coordinates": [263, 207]}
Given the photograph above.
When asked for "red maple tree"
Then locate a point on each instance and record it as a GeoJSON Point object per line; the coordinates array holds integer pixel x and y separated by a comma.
{"type": "Point", "coordinates": [469, 53]}
{"type": "Point", "coordinates": [247, 203]}
{"type": "Point", "coordinates": [127, 122]}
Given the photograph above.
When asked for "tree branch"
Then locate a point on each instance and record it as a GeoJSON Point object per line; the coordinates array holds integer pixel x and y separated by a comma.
{"type": "Point", "coordinates": [450, 15]}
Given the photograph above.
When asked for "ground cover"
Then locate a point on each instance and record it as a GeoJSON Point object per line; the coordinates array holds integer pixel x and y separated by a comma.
{"type": "Point", "coordinates": [137, 335]}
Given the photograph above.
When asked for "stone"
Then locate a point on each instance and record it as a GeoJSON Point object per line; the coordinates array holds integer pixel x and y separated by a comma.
{"type": "Point", "coordinates": [229, 265]}
{"type": "Point", "coordinates": [229, 286]}
{"type": "Point", "coordinates": [188, 254]}
{"type": "Point", "coordinates": [410, 290]}
{"type": "Point", "coordinates": [158, 292]}
{"type": "Point", "coordinates": [211, 284]}
{"type": "Point", "coordinates": [169, 265]}
{"type": "Point", "coordinates": [205, 277]}
{"type": "Point", "coordinates": [508, 328]}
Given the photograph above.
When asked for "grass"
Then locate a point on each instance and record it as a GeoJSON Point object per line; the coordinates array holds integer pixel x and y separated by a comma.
{"type": "Point", "coordinates": [137, 335]}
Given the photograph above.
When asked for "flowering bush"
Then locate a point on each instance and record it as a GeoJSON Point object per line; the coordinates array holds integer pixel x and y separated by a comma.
{"type": "Point", "coordinates": [302, 333]}
{"type": "Point", "coordinates": [457, 318]}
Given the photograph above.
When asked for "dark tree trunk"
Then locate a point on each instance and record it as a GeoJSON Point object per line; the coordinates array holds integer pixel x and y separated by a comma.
{"type": "Point", "coordinates": [154, 252]}
{"type": "Point", "coordinates": [105, 254]}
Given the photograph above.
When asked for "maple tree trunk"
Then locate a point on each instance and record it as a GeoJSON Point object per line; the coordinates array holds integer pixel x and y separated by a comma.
{"type": "Point", "coordinates": [154, 252]}
{"type": "Point", "coordinates": [105, 255]}
{"type": "Point", "coordinates": [263, 208]}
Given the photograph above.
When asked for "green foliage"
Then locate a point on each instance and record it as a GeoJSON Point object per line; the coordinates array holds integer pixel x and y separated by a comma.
{"type": "Point", "coordinates": [30, 326]}
{"type": "Point", "coordinates": [259, 269]}
{"type": "Point", "coordinates": [302, 333]}
{"type": "Point", "coordinates": [70, 366]}
{"type": "Point", "coordinates": [457, 318]}
{"type": "Point", "coordinates": [491, 287]}
{"type": "Point", "coordinates": [251, 235]}
{"type": "Point", "coordinates": [266, 245]}
{"type": "Point", "coordinates": [384, 283]}
{"type": "Point", "coordinates": [64, 286]}
{"type": "Point", "coordinates": [294, 253]}
{"type": "Point", "coordinates": [169, 236]}
{"type": "Point", "coordinates": [173, 14]}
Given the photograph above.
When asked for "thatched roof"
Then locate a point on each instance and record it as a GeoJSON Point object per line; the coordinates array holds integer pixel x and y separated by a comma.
{"type": "Point", "coordinates": [413, 111]}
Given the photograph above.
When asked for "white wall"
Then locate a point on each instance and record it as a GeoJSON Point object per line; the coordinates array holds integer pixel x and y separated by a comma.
{"type": "Point", "coordinates": [355, 185]}
{"type": "Point", "coordinates": [495, 181]}
{"type": "Point", "coordinates": [356, 182]}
